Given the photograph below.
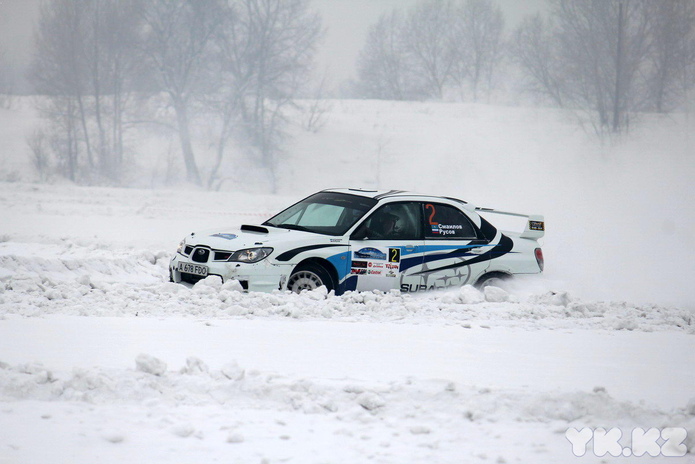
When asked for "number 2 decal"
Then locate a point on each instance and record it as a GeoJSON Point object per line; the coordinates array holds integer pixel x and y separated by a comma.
{"type": "Point", "coordinates": [433, 224]}
{"type": "Point", "coordinates": [434, 211]}
{"type": "Point", "coordinates": [394, 255]}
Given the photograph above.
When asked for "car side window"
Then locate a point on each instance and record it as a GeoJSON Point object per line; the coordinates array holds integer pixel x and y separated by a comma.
{"type": "Point", "coordinates": [447, 222]}
{"type": "Point", "coordinates": [393, 221]}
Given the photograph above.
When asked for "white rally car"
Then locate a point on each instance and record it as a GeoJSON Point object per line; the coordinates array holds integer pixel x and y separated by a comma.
{"type": "Point", "coordinates": [349, 239]}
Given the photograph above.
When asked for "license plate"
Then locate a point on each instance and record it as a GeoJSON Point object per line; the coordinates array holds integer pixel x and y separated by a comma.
{"type": "Point", "coordinates": [196, 269]}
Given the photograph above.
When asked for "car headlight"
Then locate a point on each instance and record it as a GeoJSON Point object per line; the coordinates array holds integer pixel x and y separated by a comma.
{"type": "Point", "coordinates": [250, 255]}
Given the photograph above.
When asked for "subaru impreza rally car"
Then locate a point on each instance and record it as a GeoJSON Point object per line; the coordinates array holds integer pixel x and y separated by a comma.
{"type": "Point", "coordinates": [348, 239]}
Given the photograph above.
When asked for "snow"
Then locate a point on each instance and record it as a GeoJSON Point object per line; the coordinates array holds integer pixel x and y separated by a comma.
{"type": "Point", "coordinates": [103, 360]}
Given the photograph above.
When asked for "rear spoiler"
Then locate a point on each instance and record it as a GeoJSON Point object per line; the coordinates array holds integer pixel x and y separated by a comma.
{"type": "Point", "coordinates": [535, 224]}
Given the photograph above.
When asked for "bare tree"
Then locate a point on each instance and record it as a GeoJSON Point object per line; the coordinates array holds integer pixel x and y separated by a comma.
{"type": "Point", "coordinates": [83, 60]}
{"type": "Point", "coordinates": [58, 71]}
{"type": "Point", "coordinates": [591, 59]}
{"type": "Point", "coordinates": [603, 43]}
{"type": "Point", "coordinates": [316, 110]}
{"type": "Point", "coordinates": [40, 153]}
{"type": "Point", "coordinates": [427, 43]}
{"type": "Point", "coordinates": [266, 51]}
{"type": "Point", "coordinates": [177, 41]}
{"type": "Point", "coordinates": [6, 81]}
{"type": "Point", "coordinates": [439, 44]}
{"type": "Point", "coordinates": [476, 34]}
{"type": "Point", "coordinates": [532, 48]}
{"type": "Point", "coordinates": [382, 67]}
{"type": "Point", "coordinates": [672, 32]}
{"type": "Point", "coordinates": [111, 61]}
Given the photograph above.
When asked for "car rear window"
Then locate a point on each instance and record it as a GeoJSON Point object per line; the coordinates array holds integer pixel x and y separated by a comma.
{"type": "Point", "coordinates": [447, 222]}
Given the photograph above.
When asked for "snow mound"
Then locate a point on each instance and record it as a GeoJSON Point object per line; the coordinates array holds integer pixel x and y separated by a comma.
{"type": "Point", "coordinates": [70, 279]}
{"type": "Point", "coordinates": [447, 407]}
{"type": "Point", "coordinates": [150, 364]}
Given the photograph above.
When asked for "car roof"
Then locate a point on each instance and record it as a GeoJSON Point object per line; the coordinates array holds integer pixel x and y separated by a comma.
{"type": "Point", "coordinates": [381, 194]}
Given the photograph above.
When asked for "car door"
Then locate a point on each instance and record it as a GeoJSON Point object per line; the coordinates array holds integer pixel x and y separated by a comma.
{"type": "Point", "coordinates": [452, 247]}
{"type": "Point", "coordinates": [386, 249]}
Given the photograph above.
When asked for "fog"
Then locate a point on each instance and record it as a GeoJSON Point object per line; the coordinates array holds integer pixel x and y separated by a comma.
{"type": "Point", "coordinates": [609, 166]}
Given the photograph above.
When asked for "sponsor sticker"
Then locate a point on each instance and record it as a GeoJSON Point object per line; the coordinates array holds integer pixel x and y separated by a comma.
{"type": "Point", "coordinates": [360, 264]}
{"type": "Point", "coordinates": [536, 225]}
{"type": "Point", "coordinates": [358, 271]}
{"type": "Point", "coordinates": [370, 253]}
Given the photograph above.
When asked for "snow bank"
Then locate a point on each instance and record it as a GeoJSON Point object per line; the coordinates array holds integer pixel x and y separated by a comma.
{"type": "Point", "coordinates": [401, 416]}
{"type": "Point", "coordinates": [238, 387]}
{"type": "Point", "coordinates": [41, 279]}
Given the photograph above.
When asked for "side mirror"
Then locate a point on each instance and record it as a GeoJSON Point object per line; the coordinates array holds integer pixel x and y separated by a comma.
{"type": "Point", "coordinates": [360, 233]}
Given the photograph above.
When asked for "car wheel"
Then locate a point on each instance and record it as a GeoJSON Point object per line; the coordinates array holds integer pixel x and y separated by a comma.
{"type": "Point", "coordinates": [309, 277]}
{"type": "Point", "coordinates": [494, 279]}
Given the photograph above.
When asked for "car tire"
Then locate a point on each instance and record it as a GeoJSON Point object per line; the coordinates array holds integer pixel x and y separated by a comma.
{"type": "Point", "coordinates": [493, 279]}
{"type": "Point", "coordinates": [309, 276]}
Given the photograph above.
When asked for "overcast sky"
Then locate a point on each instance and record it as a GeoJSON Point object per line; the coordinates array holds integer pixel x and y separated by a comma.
{"type": "Point", "coordinates": [346, 23]}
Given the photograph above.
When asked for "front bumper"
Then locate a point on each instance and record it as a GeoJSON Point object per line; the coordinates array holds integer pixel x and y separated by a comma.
{"type": "Point", "coordinates": [262, 276]}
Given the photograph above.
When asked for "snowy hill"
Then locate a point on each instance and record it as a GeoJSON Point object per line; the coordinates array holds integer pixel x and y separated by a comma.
{"type": "Point", "coordinates": [103, 360]}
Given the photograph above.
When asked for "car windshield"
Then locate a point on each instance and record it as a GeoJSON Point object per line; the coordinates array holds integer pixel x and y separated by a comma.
{"type": "Point", "coordinates": [327, 213]}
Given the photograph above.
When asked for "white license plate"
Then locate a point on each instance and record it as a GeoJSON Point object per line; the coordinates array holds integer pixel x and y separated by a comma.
{"type": "Point", "coordinates": [196, 269]}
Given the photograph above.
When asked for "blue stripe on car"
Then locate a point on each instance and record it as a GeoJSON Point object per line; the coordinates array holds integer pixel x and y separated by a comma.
{"type": "Point", "coordinates": [341, 263]}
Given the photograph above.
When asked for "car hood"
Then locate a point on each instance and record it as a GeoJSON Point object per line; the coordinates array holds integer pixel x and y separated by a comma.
{"type": "Point", "coordinates": [233, 239]}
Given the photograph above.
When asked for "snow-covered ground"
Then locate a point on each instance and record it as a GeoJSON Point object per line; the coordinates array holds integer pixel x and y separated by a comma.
{"type": "Point", "coordinates": [102, 360]}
